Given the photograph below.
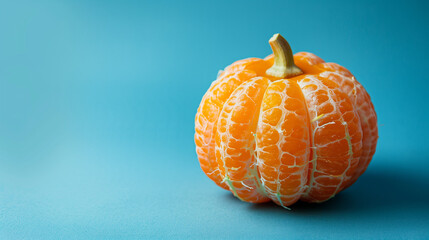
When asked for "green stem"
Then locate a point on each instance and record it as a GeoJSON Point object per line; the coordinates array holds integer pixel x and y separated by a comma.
{"type": "Point", "coordinates": [284, 66]}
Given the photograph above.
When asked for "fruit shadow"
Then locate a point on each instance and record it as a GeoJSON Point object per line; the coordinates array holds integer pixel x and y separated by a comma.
{"type": "Point", "coordinates": [375, 190]}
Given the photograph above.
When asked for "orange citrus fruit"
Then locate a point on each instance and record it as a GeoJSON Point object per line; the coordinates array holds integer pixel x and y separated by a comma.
{"type": "Point", "coordinates": [285, 128]}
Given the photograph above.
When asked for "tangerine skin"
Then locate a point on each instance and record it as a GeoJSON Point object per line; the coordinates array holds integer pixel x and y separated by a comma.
{"type": "Point", "coordinates": [302, 138]}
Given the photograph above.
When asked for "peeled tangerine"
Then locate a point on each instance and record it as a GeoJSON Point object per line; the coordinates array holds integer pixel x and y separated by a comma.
{"type": "Point", "coordinates": [285, 128]}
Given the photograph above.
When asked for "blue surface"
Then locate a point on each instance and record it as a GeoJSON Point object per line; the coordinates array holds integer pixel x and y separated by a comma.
{"type": "Point", "coordinates": [97, 105]}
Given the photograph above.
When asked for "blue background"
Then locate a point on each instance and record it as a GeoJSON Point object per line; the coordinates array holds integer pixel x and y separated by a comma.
{"type": "Point", "coordinates": [97, 106]}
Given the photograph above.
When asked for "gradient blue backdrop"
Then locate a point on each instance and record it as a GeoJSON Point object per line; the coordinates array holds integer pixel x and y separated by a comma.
{"type": "Point", "coordinates": [97, 105]}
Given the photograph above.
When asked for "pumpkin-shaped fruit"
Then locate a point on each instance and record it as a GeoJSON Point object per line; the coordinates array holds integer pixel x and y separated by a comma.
{"type": "Point", "coordinates": [285, 128]}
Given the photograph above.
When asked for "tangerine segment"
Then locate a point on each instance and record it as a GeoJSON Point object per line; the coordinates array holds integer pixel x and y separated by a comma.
{"type": "Point", "coordinates": [207, 117]}
{"type": "Point", "coordinates": [354, 126]}
{"type": "Point", "coordinates": [306, 60]}
{"type": "Point", "coordinates": [336, 134]}
{"type": "Point", "coordinates": [368, 118]}
{"type": "Point", "coordinates": [257, 65]}
{"type": "Point", "coordinates": [283, 141]}
{"type": "Point", "coordinates": [369, 124]}
{"type": "Point", "coordinates": [235, 140]}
